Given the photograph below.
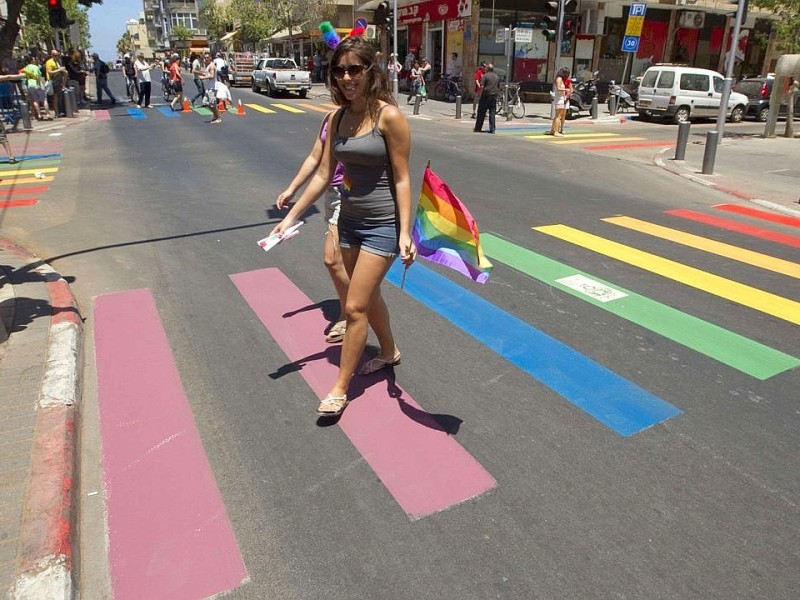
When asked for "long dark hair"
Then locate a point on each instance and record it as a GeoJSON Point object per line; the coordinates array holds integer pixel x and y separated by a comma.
{"type": "Point", "coordinates": [377, 86]}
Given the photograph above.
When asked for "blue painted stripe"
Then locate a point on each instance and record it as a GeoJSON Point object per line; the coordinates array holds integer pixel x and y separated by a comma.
{"type": "Point", "coordinates": [35, 156]}
{"type": "Point", "coordinates": [136, 113]}
{"type": "Point", "coordinates": [168, 112]}
{"type": "Point", "coordinates": [613, 400]}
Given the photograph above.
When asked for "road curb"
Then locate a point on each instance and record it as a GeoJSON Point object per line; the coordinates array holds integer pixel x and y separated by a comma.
{"type": "Point", "coordinates": [659, 161]}
{"type": "Point", "coordinates": [47, 536]}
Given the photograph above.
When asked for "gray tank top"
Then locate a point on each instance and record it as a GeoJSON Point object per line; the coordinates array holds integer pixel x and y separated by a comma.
{"type": "Point", "coordinates": [368, 192]}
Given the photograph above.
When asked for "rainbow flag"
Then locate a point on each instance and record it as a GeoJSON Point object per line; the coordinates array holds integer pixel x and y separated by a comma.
{"type": "Point", "coordinates": [445, 232]}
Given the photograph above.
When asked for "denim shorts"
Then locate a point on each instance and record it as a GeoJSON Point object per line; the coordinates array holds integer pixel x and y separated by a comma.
{"type": "Point", "coordinates": [379, 238]}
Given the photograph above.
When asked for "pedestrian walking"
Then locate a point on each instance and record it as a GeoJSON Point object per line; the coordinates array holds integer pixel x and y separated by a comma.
{"type": "Point", "coordinates": [197, 72]}
{"type": "Point", "coordinates": [414, 82]}
{"type": "Point", "coordinates": [560, 100]}
{"type": "Point", "coordinates": [331, 255]}
{"type": "Point", "coordinates": [210, 76]}
{"type": "Point", "coordinates": [35, 83]}
{"type": "Point", "coordinates": [176, 82]}
{"type": "Point", "coordinates": [425, 76]}
{"type": "Point", "coordinates": [370, 137]}
{"type": "Point", "coordinates": [101, 75]}
{"type": "Point", "coordinates": [143, 77]}
{"type": "Point", "coordinates": [222, 68]}
{"type": "Point", "coordinates": [478, 76]}
{"type": "Point", "coordinates": [129, 72]}
{"type": "Point", "coordinates": [490, 86]}
{"type": "Point", "coordinates": [3, 135]}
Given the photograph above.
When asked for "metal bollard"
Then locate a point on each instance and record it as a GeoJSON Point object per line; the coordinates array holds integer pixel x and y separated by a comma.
{"type": "Point", "coordinates": [69, 102]}
{"type": "Point", "coordinates": [710, 154]}
{"type": "Point", "coordinates": [26, 115]}
{"type": "Point", "coordinates": [417, 101]}
{"type": "Point", "coordinates": [683, 139]}
{"type": "Point", "coordinates": [458, 107]}
{"type": "Point", "coordinates": [612, 105]}
{"type": "Point", "coordinates": [593, 110]}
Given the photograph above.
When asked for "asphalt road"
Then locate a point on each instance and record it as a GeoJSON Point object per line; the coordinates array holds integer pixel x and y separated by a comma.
{"type": "Point", "coordinates": [700, 505]}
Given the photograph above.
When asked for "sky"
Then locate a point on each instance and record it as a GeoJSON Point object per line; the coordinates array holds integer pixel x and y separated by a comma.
{"type": "Point", "coordinates": [107, 24]}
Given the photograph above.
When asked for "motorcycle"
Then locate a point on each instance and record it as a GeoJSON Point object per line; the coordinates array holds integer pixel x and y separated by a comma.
{"type": "Point", "coordinates": [624, 100]}
{"type": "Point", "coordinates": [581, 96]}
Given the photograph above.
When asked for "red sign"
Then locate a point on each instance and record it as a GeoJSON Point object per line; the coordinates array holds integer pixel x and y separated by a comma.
{"type": "Point", "coordinates": [433, 10]}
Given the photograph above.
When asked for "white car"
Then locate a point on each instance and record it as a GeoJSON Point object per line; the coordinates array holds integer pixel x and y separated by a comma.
{"type": "Point", "coordinates": [277, 75]}
{"type": "Point", "coordinates": [681, 93]}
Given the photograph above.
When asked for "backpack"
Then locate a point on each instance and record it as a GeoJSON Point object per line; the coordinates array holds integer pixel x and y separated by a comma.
{"type": "Point", "coordinates": [104, 68]}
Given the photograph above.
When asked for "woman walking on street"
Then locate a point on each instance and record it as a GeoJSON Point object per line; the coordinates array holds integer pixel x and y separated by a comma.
{"type": "Point", "coordinates": [176, 81]}
{"type": "Point", "coordinates": [331, 255]}
{"type": "Point", "coordinates": [370, 137]}
{"type": "Point", "coordinates": [559, 102]}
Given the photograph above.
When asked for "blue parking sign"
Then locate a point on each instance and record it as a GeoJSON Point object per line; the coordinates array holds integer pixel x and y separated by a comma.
{"type": "Point", "coordinates": [637, 10]}
{"type": "Point", "coordinates": [630, 43]}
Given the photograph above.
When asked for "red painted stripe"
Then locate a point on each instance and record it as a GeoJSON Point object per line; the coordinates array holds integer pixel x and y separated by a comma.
{"type": "Point", "coordinates": [169, 534]}
{"type": "Point", "coordinates": [424, 468]}
{"type": "Point", "coordinates": [102, 115]}
{"type": "Point", "coordinates": [759, 214]}
{"type": "Point", "coordinates": [12, 203]}
{"type": "Point", "coordinates": [630, 145]}
{"type": "Point", "coordinates": [751, 230]}
{"type": "Point", "coordinates": [24, 190]}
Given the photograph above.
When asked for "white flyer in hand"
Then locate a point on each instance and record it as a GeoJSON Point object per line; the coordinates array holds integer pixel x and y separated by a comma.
{"type": "Point", "coordinates": [269, 242]}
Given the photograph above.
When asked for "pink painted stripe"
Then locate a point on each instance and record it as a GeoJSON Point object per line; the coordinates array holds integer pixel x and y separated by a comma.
{"type": "Point", "coordinates": [743, 228]}
{"type": "Point", "coordinates": [759, 214]}
{"type": "Point", "coordinates": [424, 468]}
{"type": "Point", "coordinates": [624, 146]}
{"type": "Point", "coordinates": [101, 115]}
{"type": "Point", "coordinates": [169, 533]}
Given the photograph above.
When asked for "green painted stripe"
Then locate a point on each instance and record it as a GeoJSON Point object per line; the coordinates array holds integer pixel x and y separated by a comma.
{"type": "Point", "coordinates": [745, 355]}
{"type": "Point", "coordinates": [202, 110]}
{"type": "Point", "coordinates": [34, 162]}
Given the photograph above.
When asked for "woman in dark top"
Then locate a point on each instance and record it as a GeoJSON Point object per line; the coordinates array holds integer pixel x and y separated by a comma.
{"type": "Point", "coordinates": [370, 137]}
{"type": "Point", "coordinates": [75, 72]}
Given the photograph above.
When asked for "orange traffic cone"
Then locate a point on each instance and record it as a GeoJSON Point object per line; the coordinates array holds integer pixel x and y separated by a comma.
{"type": "Point", "coordinates": [221, 106]}
{"type": "Point", "coordinates": [240, 109]}
{"type": "Point", "coordinates": [186, 107]}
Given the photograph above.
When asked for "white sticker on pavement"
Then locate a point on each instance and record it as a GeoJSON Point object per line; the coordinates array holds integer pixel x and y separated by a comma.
{"type": "Point", "coordinates": [594, 289]}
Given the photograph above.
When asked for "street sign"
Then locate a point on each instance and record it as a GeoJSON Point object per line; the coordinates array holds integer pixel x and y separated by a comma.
{"type": "Point", "coordinates": [634, 26]}
{"type": "Point", "coordinates": [630, 43]}
{"type": "Point", "coordinates": [523, 35]}
{"type": "Point", "coordinates": [501, 35]}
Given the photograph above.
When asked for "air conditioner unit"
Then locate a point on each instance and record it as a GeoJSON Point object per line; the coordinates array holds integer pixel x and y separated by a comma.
{"type": "Point", "coordinates": [371, 33]}
{"type": "Point", "coordinates": [692, 19]}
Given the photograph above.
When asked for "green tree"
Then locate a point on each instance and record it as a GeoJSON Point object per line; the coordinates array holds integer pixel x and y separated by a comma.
{"type": "Point", "coordinates": [295, 15]}
{"type": "Point", "coordinates": [37, 21]}
{"type": "Point", "coordinates": [787, 26]}
{"type": "Point", "coordinates": [180, 33]}
{"type": "Point", "coordinates": [253, 20]}
{"type": "Point", "coordinates": [214, 18]}
{"type": "Point", "coordinates": [125, 44]}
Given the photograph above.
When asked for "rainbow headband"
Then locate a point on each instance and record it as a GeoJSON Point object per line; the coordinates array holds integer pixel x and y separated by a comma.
{"type": "Point", "coordinates": [332, 38]}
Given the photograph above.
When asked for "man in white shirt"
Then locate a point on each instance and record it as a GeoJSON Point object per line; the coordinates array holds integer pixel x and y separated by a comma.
{"type": "Point", "coordinates": [222, 68]}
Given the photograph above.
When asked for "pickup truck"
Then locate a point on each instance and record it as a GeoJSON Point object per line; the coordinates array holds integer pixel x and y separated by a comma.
{"type": "Point", "coordinates": [277, 75]}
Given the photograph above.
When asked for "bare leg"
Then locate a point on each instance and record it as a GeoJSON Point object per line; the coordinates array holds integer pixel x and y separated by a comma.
{"type": "Point", "coordinates": [366, 274]}
{"type": "Point", "coordinates": [332, 257]}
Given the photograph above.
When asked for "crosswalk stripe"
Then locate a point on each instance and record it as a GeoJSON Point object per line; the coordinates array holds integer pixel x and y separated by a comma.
{"type": "Point", "coordinates": [633, 145]}
{"type": "Point", "coordinates": [8, 173]}
{"type": "Point", "coordinates": [750, 297]}
{"type": "Point", "coordinates": [759, 214]}
{"type": "Point", "coordinates": [20, 202]}
{"type": "Point", "coordinates": [614, 401]}
{"type": "Point", "coordinates": [42, 162]}
{"type": "Point", "coordinates": [743, 228]}
{"type": "Point", "coordinates": [261, 109]}
{"type": "Point", "coordinates": [15, 181]}
{"type": "Point", "coordinates": [329, 105]}
{"type": "Point", "coordinates": [757, 259]}
{"type": "Point", "coordinates": [563, 142]}
{"type": "Point", "coordinates": [738, 352]}
{"type": "Point", "coordinates": [314, 107]}
{"type": "Point", "coordinates": [168, 112]}
{"type": "Point", "coordinates": [287, 108]}
{"type": "Point", "coordinates": [202, 110]}
{"type": "Point", "coordinates": [136, 113]}
{"type": "Point", "coordinates": [592, 134]}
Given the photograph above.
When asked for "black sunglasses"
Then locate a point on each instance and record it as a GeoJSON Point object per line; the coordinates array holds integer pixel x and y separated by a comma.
{"type": "Point", "coordinates": [352, 70]}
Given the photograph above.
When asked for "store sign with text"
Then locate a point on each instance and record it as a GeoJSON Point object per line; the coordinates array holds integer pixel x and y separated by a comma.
{"type": "Point", "coordinates": [434, 10]}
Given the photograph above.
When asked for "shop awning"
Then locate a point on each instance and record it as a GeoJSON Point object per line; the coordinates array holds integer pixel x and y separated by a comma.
{"type": "Point", "coordinates": [228, 36]}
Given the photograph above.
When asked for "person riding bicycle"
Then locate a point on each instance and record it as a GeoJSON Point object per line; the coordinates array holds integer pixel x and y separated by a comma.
{"type": "Point", "coordinates": [129, 72]}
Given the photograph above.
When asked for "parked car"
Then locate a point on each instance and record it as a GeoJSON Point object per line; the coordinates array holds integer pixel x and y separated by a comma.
{"type": "Point", "coordinates": [758, 91]}
{"type": "Point", "coordinates": [681, 93]}
{"type": "Point", "coordinates": [277, 75]}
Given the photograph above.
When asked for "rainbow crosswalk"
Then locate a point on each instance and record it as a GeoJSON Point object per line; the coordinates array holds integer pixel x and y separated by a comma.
{"type": "Point", "coordinates": [269, 108]}
{"type": "Point", "coordinates": [22, 184]}
{"type": "Point", "coordinates": [586, 138]}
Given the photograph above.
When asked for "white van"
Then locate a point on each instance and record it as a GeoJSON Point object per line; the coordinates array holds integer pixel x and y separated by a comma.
{"type": "Point", "coordinates": [681, 93]}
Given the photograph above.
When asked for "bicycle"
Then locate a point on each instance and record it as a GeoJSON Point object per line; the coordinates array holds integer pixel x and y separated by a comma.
{"type": "Point", "coordinates": [512, 100]}
{"type": "Point", "coordinates": [166, 87]}
{"type": "Point", "coordinates": [132, 89]}
{"type": "Point", "coordinates": [448, 88]}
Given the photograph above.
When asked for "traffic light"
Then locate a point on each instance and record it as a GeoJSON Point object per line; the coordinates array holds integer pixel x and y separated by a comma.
{"type": "Point", "coordinates": [744, 8]}
{"type": "Point", "coordinates": [382, 14]}
{"type": "Point", "coordinates": [57, 14]}
{"type": "Point", "coordinates": [549, 24]}
{"type": "Point", "coordinates": [571, 27]}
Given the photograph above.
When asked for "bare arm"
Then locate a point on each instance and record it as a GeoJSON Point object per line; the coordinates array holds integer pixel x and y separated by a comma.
{"type": "Point", "coordinates": [305, 172]}
{"type": "Point", "coordinates": [395, 129]}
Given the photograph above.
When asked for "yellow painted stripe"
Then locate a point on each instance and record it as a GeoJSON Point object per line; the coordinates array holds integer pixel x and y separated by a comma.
{"type": "Point", "coordinates": [770, 263]}
{"type": "Point", "coordinates": [260, 108]}
{"type": "Point", "coordinates": [13, 181]}
{"type": "Point", "coordinates": [572, 135]}
{"type": "Point", "coordinates": [751, 297]}
{"type": "Point", "coordinates": [562, 141]}
{"type": "Point", "coordinates": [314, 107]}
{"type": "Point", "coordinates": [329, 105]}
{"type": "Point", "coordinates": [5, 174]}
{"type": "Point", "coordinates": [288, 108]}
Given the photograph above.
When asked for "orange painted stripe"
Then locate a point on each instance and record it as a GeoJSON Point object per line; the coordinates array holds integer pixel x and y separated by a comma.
{"type": "Point", "coordinates": [21, 202]}
{"type": "Point", "coordinates": [314, 107]}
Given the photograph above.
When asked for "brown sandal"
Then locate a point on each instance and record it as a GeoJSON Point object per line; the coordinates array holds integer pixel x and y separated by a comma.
{"type": "Point", "coordinates": [378, 363]}
{"type": "Point", "coordinates": [332, 406]}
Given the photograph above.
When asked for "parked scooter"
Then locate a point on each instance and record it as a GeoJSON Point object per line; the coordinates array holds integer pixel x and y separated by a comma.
{"type": "Point", "coordinates": [624, 100]}
{"type": "Point", "coordinates": [583, 92]}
